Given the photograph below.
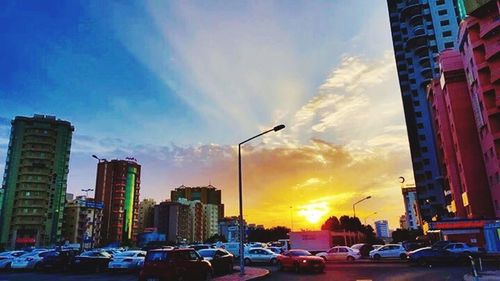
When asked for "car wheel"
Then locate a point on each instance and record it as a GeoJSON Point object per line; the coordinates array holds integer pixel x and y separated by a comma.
{"type": "Point", "coordinates": [422, 262]}
{"type": "Point", "coordinates": [349, 258]}
{"type": "Point", "coordinates": [377, 257]}
{"type": "Point", "coordinates": [296, 268]}
{"type": "Point", "coordinates": [230, 268]}
{"type": "Point", "coordinates": [467, 253]}
{"type": "Point", "coordinates": [402, 256]}
{"type": "Point", "coordinates": [8, 267]}
{"type": "Point", "coordinates": [208, 276]}
{"type": "Point", "coordinates": [38, 267]}
{"type": "Point", "coordinates": [324, 258]}
{"type": "Point", "coordinates": [280, 266]}
{"type": "Point", "coordinates": [273, 261]}
{"type": "Point", "coordinates": [248, 261]}
{"type": "Point", "coordinates": [97, 269]}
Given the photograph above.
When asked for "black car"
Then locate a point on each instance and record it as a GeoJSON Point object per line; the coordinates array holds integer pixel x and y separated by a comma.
{"type": "Point", "coordinates": [222, 261]}
{"type": "Point", "coordinates": [363, 248]}
{"type": "Point", "coordinates": [95, 261]}
{"type": "Point", "coordinates": [429, 256]}
{"type": "Point", "coordinates": [57, 260]}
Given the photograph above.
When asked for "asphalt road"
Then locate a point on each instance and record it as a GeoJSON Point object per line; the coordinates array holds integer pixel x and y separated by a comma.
{"type": "Point", "coordinates": [375, 272]}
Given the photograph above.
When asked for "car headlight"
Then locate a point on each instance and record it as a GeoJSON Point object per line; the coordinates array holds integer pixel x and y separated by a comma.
{"type": "Point", "coordinates": [304, 261]}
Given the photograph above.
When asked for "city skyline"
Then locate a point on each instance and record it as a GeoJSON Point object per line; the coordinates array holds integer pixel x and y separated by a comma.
{"type": "Point", "coordinates": [177, 86]}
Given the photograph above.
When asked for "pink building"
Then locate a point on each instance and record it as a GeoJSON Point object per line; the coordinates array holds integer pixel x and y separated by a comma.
{"type": "Point", "coordinates": [479, 46]}
{"type": "Point", "coordinates": [458, 141]}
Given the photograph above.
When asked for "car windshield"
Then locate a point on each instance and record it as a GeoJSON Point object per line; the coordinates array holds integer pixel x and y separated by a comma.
{"type": "Point", "coordinates": [357, 246]}
{"type": "Point", "coordinates": [93, 254]}
{"type": "Point", "coordinates": [52, 254]}
{"type": "Point", "coordinates": [126, 254]}
{"type": "Point", "coordinates": [154, 256]}
{"type": "Point", "coordinates": [299, 253]}
{"type": "Point", "coordinates": [207, 253]}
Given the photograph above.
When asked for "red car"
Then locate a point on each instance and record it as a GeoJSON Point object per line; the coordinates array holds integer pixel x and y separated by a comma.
{"type": "Point", "coordinates": [175, 264]}
{"type": "Point", "coordinates": [300, 260]}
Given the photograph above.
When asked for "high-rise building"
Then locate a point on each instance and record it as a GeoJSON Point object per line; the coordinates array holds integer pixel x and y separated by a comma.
{"type": "Point", "coordinates": [382, 229]}
{"type": "Point", "coordinates": [173, 220]}
{"type": "Point", "coordinates": [420, 30]}
{"type": "Point", "coordinates": [117, 187]}
{"type": "Point", "coordinates": [458, 141]}
{"type": "Point", "coordinates": [34, 182]}
{"type": "Point", "coordinates": [478, 45]}
{"type": "Point", "coordinates": [205, 194]}
{"type": "Point", "coordinates": [411, 207]}
{"type": "Point", "coordinates": [82, 221]}
{"type": "Point", "coordinates": [146, 214]}
{"type": "Point", "coordinates": [402, 222]}
{"type": "Point", "coordinates": [210, 220]}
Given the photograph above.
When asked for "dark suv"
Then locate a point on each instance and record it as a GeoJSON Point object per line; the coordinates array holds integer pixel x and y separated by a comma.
{"type": "Point", "coordinates": [175, 264]}
{"type": "Point", "coordinates": [57, 260]}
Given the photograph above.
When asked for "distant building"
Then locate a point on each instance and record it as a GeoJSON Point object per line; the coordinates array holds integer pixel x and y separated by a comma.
{"type": "Point", "coordinates": [146, 237]}
{"type": "Point", "coordinates": [382, 229]}
{"type": "Point", "coordinates": [82, 222]}
{"type": "Point", "coordinates": [403, 224]}
{"type": "Point", "coordinates": [173, 220]}
{"type": "Point", "coordinates": [205, 194]}
{"type": "Point", "coordinates": [146, 214]}
{"type": "Point", "coordinates": [411, 207]}
{"type": "Point", "coordinates": [117, 186]}
{"type": "Point", "coordinates": [420, 30]}
{"type": "Point", "coordinates": [35, 181]}
{"type": "Point", "coordinates": [70, 196]}
{"type": "Point", "coordinates": [228, 227]}
{"type": "Point", "coordinates": [211, 220]}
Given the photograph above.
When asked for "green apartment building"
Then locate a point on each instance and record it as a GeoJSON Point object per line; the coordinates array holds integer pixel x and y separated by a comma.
{"type": "Point", "coordinates": [34, 182]}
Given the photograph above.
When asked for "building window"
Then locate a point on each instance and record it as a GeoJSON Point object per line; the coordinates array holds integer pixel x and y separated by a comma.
{"type": "Point", "coordinates": [445, 22]}
{"type": "Point", "coordinates": [497, 177]}
{"type": "Point", "coordinates": [496, 204]}
{"type": "Point", "coordinates": [421, 137]}
{"type": "Point", "coordinates": [418, 114]}
{"type": "Point", "coordinates": [440, 2]}
{"type": "Point", "coordinates": [448, 45]}
{"type": "Point", "coordinates": [447, 33]}
{"type": "Point", "coordinates": [442, 12]}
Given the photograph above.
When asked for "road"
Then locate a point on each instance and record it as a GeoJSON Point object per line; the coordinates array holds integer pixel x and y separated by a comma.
{"type": "Point", "coordinates": [333, 272]}
{"type": "Point", "coordinates": [375, 272]}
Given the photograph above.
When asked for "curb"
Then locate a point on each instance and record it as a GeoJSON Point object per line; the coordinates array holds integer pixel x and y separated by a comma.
{"type": "Point", "coordinates": [261, 277]}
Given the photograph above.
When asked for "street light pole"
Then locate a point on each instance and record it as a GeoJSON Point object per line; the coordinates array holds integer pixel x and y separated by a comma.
{"type": "Point", "coordinates": [242, 228]}
{"type": "Point", "coordinates": [374, 213]}
{"type": "Point", "coordinates": [354, 205]}
{"type": "Point", "coordinates": [87, 191]}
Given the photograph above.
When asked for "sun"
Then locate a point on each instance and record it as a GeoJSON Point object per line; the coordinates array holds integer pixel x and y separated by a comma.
{"type": "Point", "coordinates": [314, 212]}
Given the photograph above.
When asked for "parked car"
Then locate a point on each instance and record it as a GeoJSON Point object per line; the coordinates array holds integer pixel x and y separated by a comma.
{"type": "Point", "coordinates": [7, 257]}
{"type": "Point", "coordinates": [128, 260]}
{"type": "Point", "coordinates": [376, 246]}
{"type": "Point", "coordinates": [222, 261]}
{"type": "Point", "coordinates": [233, 248]}
{"type": "Point", "coordinates": [340, 253]}
{"type": "Point", "coordinates": [57, 260]}
{"type": "Point", "coordinates": [175, 264]}
{"type": "Point", "coordinates": [389, 251]}
{"type": "Point", "coordinates": [363, 248]}
{"type": "Point", "coordinates": [276, 250]}
{"type": "Point", "coordinates": [300, 260]}
{"type": "Point", "coordinates": [428, 255]}
{"type": "Point", "coordinates": [462, 248]}
{"type": "Point", "coordinates": [28, 260]}
{"type": "Point", "coordinates": [198, 247]}
{"type": "Point", "coordinates": [441, 244]}
{"type": "Point", "coordinates": [95, 261]}
{"type": "Point", "coordinates": [260, 255]}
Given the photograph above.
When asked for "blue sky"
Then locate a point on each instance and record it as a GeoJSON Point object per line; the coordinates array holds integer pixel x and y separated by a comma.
{"type": "Point", "coordinates": [177, 83]}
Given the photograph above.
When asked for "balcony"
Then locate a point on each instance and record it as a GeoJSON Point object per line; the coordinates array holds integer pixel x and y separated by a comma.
{"type": "Point", "coordinates": [424, 62]}
{"type": "Point", "coordinates": [416, 41]}
{"type": "Point", "coordinates": [491, 49]}
{"type": "Point", "coordinates": [426, 72]}
{"type": "Point", "coordinates": [489, 27]}
{"type": "Point", "coordinates": [413, 8]}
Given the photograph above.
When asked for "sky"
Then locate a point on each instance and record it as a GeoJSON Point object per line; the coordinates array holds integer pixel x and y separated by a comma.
{"type": "Point", "coordinates": [178, 84]}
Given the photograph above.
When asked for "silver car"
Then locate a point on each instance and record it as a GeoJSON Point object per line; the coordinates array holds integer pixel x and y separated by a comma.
{"type": "Point", "coordinates": [261, 255]}
{"type": "Point", "coordinates": [7, 257]}
{"type": "Point", "coordinates": [129, 260]}
{"type": "Point", "coordinates": [28, 260]}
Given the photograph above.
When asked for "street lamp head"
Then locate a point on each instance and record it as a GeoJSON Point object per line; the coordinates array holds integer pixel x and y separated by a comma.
{"type": "Point", "coordinates": [368, 197]}
{"type": "Point", "coordinates": [279, 127]}
{"type": "Point", "coordinates": [93, 155]}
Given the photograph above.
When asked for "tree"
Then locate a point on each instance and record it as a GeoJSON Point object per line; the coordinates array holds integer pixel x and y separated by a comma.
{"type": "Point", "coordinates": [269, 234]}
{"type": "Point", "coordinates": [332, 223]}
{"type": "Point", "coordinates": [403, 235]}
{"type": "Point", "coordinates": [216, 238]}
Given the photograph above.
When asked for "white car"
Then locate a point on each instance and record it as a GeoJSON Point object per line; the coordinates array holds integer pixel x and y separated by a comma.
{"type": "Point", "coordinates": [461, 248]}
{"type": "Point", "coordinates": [7, 257]}
{"type": "Point", "coordinates": [340, 253]}
{"type": "Point", "coordinates": [260, 255]}
{"type": "Point", "coordinates": [389, 251]}
{"type": "Point", "coordinates": [129, 260]}
{"type": "Point", "coordinates": [28, 260]}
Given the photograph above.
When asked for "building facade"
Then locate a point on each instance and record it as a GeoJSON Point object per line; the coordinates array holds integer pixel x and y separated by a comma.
{"type": "Point", "coordinates": [411, 207]}
{"type": "Point", "coordinates": [205, 194]}
{"type": "Point", "coordinates": [458, 141]}
{"type": "Point", "coordinates": [382, 229]}
{"type": "Point", "coordinates": [146, 214]}
{"type": "Point", "coordinates": [420, 30]}
{"type": "Point", "coordinates": [173, 220]}
{"type": "Point", "coordinates": [35, 181]}
{"type": "Point", "coordinates": [118, 185]}
{"type": "Point", "coordinates": [478, 45]}
{"type": "Point", "coordinates": [82, 222]}
{"type": "Point", "coordinates": [229, 228]}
